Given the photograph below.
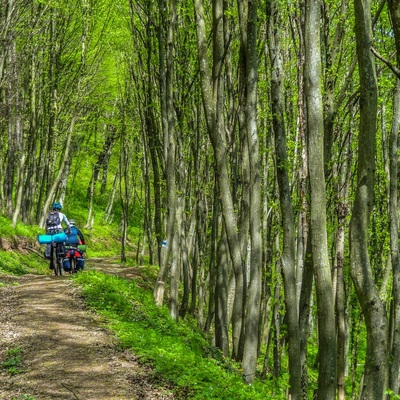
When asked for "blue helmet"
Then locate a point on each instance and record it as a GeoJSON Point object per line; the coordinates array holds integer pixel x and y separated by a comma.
{"type": "Point", "coordinates": [56, 206]}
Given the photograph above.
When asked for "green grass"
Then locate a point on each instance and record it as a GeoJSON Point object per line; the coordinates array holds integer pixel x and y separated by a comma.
{"type": "Point", "coordinates": [177, 351]}
{"type": "Point", "coordinates": [14, 263]}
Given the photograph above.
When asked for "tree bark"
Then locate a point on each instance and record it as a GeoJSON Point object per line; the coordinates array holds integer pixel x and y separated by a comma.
{"type": "Point", "coordinates": [319, 243]}
{"type": "Point", "coordinates": [339, 270]}
{"type": "Point", "coordinates": [172, 232]}
{"type": "Point", "coordinates": [286, 207]}
{"type": "Point", "coordinates": [394, 376]}
{"type": "Point", "coordinates": [375, 370]}
{"type": "Point", "coordinates": [221, 297]}
{"type": "Point", "coordinates": [252, 319]}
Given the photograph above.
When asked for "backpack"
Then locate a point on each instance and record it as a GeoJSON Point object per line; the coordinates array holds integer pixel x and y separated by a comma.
{"type": "Point", "coordinates": [53, 220]}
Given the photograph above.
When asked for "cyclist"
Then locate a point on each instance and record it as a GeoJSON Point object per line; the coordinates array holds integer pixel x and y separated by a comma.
{"type": "Point", "coordinates": [75, 237]}
{"type": "Point", "coordinates": [55, 219]}
{"type": "Point", "coordinates": [74, 240]}
{"type": "Point", "coordinates": [54, 222]}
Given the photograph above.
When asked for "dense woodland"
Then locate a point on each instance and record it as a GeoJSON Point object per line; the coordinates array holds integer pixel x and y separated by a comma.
{"type": "Point", "coordinates": [249, 148]}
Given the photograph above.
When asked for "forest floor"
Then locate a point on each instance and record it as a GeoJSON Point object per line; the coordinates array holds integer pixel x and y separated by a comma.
{"type": "Point", "coordinates": [55, 348]}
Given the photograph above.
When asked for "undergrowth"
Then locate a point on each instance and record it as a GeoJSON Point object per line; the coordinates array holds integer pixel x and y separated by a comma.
{"type": "Point", "coordinates": [177, 351]}
{"type": "Point", "coordinates": [13, 361]}
{"type": "Point", "coordinates": [15, 263]}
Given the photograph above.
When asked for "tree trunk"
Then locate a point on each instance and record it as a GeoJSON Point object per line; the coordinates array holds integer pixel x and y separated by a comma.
{"type": "Point", "coordinates": [394, 380]}
{"type": "Point", "coordinates": [221, 297]}
{"type": "Point", "coordinates": [277, 312]}
{"type": "Point", "coordinates": [319, 242]}
{"type": "Point", "coordinates": [252, 320]}
{"type": "Point", "coordinates": [375, 370]}
{"type": "Point", "coordinates": [340, 299]}
{"type": "Point", "coordinates": [173, 228]}
{"type": "Point", "coordinates": [288, 225]}
{"type": "Point", "coordinates": [394, 376]}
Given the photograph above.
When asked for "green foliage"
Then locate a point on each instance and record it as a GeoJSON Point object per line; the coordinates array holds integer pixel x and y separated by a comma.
{"type": "Point", "coordinates": [392, 394]}
{"type": "Point", "coordinates": [13, 361]}
{"type": "Point", "coordinates": [24, 397]}
{"type": "Point", "coordinates": [15, 263]}
{"type": "Point", "coordinates": [20, 230]}
{"type": "Point", "coordinates": [177, 351]}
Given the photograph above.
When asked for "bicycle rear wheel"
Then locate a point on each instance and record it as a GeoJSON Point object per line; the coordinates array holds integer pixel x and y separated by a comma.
{"type": "Point", "coordinates": [54, 259]}
{"type": "Point", "coordinates": [59, 266]}
{"type": "Point", "coordinates": [72, 260]}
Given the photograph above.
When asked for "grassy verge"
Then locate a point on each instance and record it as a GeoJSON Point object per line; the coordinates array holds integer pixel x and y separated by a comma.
{"type": "Point", "coordinates": [178, 352]}
{"type": "Point", "coordinates": [14, 263]}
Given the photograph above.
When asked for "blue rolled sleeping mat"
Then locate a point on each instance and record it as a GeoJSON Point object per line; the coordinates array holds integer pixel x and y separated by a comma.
{"type": "Point", "coordinates": [57, 238]}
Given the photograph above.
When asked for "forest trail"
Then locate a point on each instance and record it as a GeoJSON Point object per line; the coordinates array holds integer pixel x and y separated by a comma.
{"type": "Point", "coordinates": [66, 353]}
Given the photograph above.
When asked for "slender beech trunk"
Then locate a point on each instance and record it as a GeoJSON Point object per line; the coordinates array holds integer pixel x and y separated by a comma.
{"type": "Point", "coordinates": [13, 116]}
{"type": "Point", "coordinates": [319, 241]}
{"type": "Point", "coordinates": [173, 228]}
{"type": "Point", "coordinates": [276, 313]}
{"type": "Point", "coordinates": [376, 361]}
{"type": "Point", "coordinates": [252, 320]}
{"type": "Point", "coordinates": [184, 256]}
{"type": "Point", "coordinates": [242, 189]}
{"type": "Point", "coordinates": [339, 264]}
{"type": "Point", "coordinates": [21, 154]}
{"type": "Point", "coordinates": [288, 224]}
{"type": "Point", "coordinates": [221, 297]}
{"type": "Point", "coordinates": [124, 189]}
{"type": "Point", "coordinates": [213, 261]}
{"type": "Point", "coordinates": [304, 264]}
{"type": "Point", "coordinates": [304, 314]}
{"type": "Point", "coordinates": [394, 376]}
{"type": "Point", "coordinates": [162, 49]}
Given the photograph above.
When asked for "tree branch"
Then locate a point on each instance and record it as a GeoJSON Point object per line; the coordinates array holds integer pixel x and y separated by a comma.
{"type": "Point", "coordinates": [394, 69]}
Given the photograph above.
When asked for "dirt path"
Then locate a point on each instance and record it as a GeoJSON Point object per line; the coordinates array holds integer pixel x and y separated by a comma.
{"type": "Point", "coordinates": [65, 351]}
